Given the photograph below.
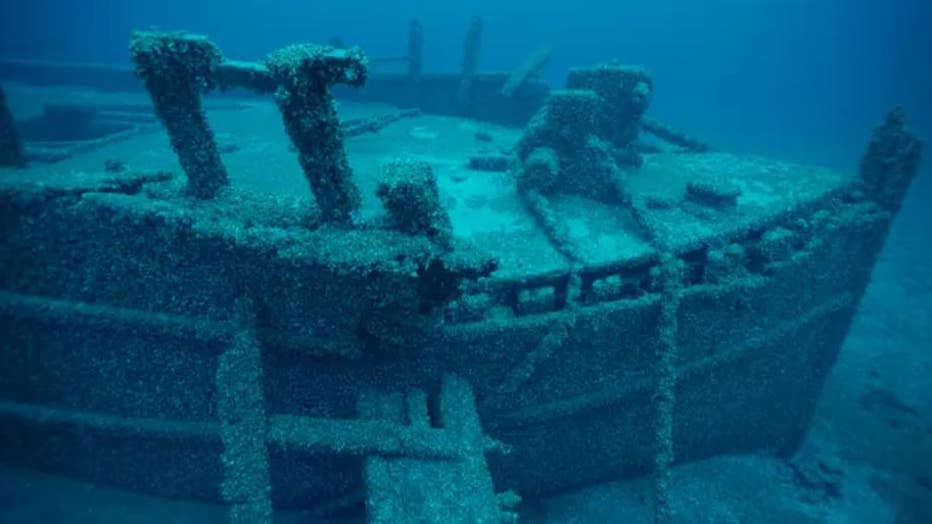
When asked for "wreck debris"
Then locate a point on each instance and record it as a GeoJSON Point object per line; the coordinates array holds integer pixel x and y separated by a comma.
{"type": "Point", "coordinates": [305, 73]}
{"type": "Point", "coordinates": [458, 488]}
{"type": "Point", "coordinates": [528, 70]}
{"type": "Point", "coordinates": [624, 93]}
{"type": "Point", "coordinates": [113, 165]}
{"type": "Point", "coordinates": [177, 68]}
{"type": "Point", "coordinates": [490, 162]}
{"type": "Point", "coordinates": [716, 194]}
{"type": "Point", "coordinates": [11, 149]}
{"type": "Point", "coordinates": [470, 64]}
{"type": "Point", "coordinates": [891, 159]}
{"type": "Point", "coordinates": [574, 158]}
{"type": "Point", "coordinates": [677, 138]}
{"type": "Point", "coordinates": [361, 126]}
{"type": "Point", "coordinates": [410, 195]}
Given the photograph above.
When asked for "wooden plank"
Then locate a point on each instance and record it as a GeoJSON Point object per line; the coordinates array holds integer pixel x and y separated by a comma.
{"type": "Point", "coordinates": [410, 490]}
{"type": "Point", "coordinates": [241, 409]}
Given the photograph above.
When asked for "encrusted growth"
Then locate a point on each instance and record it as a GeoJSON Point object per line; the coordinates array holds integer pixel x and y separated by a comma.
{"type": "Point", "coordinates": [317, 67]}
{"type": "Point", "coordinates": [613, 332]}
{"type": "Point", "coordinates": [242, 412]}
{"type": "Point", "coordinates": [177, 68]}
{"type": "Point", "coordinates": [541, 169]}
{"type": "Point", "coordinates": [561, 149]}
{"type": "Point", "coordinates": [11, 149]}
{"type": "Point", "coordinates": [624, 94]}
{"type": "Point", "coordinates": [453, 488]}
{"type": "Point", "coordinates": [670, 276]}
{"type": "Point", "coordinates": [409, 193]}
{"type": "Point", "coordinates": [716, 194]}
{"type": "Point", "coordinates": [166, 57]}
{"type": "Point", "coordinates": [305, 73]}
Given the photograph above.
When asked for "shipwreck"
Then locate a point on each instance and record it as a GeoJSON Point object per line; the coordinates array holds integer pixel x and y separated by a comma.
{"type": "Point", "coordinates": [497, 291]}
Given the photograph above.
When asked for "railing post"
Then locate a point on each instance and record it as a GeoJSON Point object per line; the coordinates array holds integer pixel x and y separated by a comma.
{"type": "Point", "coordinates": [469, 65]}
{"type": "Point", "coordinates": [11, 149]}
{"type": "Point", "coordinates": [415, 52]}
{"type": "Point", "coordinates": [670, 276]}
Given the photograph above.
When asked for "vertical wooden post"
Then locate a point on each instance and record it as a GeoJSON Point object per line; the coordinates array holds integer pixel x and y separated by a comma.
{"type": "Point", "coordinates": [469, 65]}
{"type": "Point", "coordinates": [415, 62]}
{"type": "Point", "coordinates": [11, 149]}
{"type": "Point", "coordinates": [415, 51]}
{"type": "Point", "coordinates": [242, 412]}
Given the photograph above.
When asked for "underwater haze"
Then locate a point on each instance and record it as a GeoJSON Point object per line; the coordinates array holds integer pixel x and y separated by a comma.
{"type": "Point", "coordinates": [804, 77]}
{"type": "Point", "coordinates": [764, 260]}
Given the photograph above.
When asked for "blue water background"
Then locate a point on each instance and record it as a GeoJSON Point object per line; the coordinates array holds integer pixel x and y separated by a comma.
{"type": "Point", "coordinates": [804, 79]}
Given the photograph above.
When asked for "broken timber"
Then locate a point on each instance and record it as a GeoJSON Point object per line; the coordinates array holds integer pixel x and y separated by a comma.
{"type": "Point", "coordinates": [410, 490]}
{"type": "Point", "coordinates": [528, 70]}
{"type": "Point", "coordinates": [413, 471]}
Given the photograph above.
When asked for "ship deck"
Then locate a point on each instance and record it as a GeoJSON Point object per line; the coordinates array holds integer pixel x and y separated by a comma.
{"type": "Point", "coordinates": [483, 202]}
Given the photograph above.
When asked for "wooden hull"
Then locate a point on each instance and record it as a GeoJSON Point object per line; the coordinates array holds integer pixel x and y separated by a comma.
{"type": "Point", "coordinates": [96, 384]}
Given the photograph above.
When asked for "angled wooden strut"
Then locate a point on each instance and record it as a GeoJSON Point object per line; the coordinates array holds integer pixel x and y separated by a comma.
{"type": "Point", "coordinates": [304, 74]}
{"type": "Point", "coordinates": [177, 68]}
